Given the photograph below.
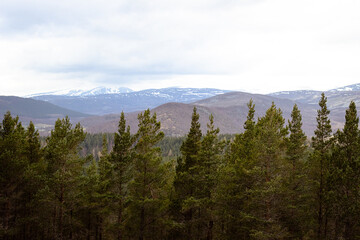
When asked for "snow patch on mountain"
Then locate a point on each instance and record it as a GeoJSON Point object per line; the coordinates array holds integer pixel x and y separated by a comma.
{"type": "Point", "coordinates": [84, 93]}
{"type": "Point", "coordinates": [354, 87]}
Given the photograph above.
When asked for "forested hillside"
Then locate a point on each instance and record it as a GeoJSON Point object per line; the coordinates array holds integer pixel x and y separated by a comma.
{"type": "Point", "coordinates": [268, 182]}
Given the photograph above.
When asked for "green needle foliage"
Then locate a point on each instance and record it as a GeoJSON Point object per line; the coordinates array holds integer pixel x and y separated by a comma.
{"type": "Point", "coordinates": [147, 196]}
{"type": "Point", "coordinates": [185, 183]}
{"type": "Point", "coordinates": [322, 143]}
{"type": "Point", "coordinates": [263, 183]}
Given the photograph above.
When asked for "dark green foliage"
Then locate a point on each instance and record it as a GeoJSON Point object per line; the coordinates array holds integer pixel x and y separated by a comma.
{"type": "Point", "coordinates": [236, 179]}
{"type": "Point", "coordinates": [322, 143]}
{"type": "Point", "coordinates": [345, 178]}
{"type": "Point", "coordinates": [92, 145]}
{"type": "Point", "coordinates": [120, 158]}
{"type": "Point", "coordinates": [295, 212]}
{"type": "Point", "coordinates": [263, 183]}
{"type": "Point", "coordinates": [266, 194]}
{"type": "Point", "coordinates": [20, 169]}
{"type": "Point", "coordinates": [64, 168]}
{"type": "Point", "coordinates": [210, 158]}
{"type": "Point", "coordinates": [14, 162]}
{"type": "Point", "coordinates": [185, 184]}
{"type": "Point", "coordinates": [147, 189]}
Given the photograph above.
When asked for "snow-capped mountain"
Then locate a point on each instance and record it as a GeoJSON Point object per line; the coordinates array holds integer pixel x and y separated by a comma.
{"type": "Point", "coordinates": [337, 98]}
{"type": "Point", "coordinates": [84, 93]}
{"type": "Point", "coordinates": [101, 101]}
{"type": "Point", "coordinates": [353, 87]}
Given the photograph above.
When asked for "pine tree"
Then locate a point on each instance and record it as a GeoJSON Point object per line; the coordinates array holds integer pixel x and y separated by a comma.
{"type": "Point", "coordinates": [237, 177]}
{"type": "Point", "coordinates": [147, 191]}
{"type": "Point", "coordinates": [296, 145]}
{"type": "Point", "coordinates": [64, 171]}
{"type": "Point", "coordinates": [33, 182]}
{"type": "Point", "coordinates": [105, 194]}
{"type": "Point", "coordinates": [266, 195]}
{"type": "Point", "coordinates": [243, 146]}
{"type": "Point", "coordinates": [89, 198]}
{"type": "Point", "coordinates": [209, 160]}
{"type": "Point", "coordinates": [121, 157]}
{"type": "Point", "coordinates": [321, 143]}
{"type": "Point", "coordinates": [13, 164]}
{"type": "Point", "coordinates": [184, 183]}
{"type": "Point", "coordinates": [295, 215]}
{"type": "Point", "coordinates": [345, 179]}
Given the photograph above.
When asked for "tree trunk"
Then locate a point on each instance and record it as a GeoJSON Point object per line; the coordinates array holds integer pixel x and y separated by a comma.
{"type": "Point", "coordinates": [142, 223]}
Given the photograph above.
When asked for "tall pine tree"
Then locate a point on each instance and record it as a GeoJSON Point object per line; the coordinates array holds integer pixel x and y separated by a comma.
{"type": "Point", "coordinates": [346, 177]}
{"type": "Point", "coordinates": [267, 194]}
{"type": "Point", "coordinates": [147, 191]}
{"type": "Point", "coordinates": [296, 188]}
{"type": "Point", "coordinates": [64, 167]}
{"type": "Point", "coordinates": [321, 143]}
{"type": "Point", "coordinates": [13, 164]}
{"type": "Point", "coordinates": [121, 157]}
{"type": "Point", "coordinates": [184, 183]}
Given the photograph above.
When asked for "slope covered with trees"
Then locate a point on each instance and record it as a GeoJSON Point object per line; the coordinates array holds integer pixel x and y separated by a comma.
{"type": "Point", "coordinates": [268, 182]}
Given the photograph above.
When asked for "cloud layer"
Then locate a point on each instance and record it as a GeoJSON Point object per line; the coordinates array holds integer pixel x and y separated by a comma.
{"type": "Point", "coordinates": [253, 45]}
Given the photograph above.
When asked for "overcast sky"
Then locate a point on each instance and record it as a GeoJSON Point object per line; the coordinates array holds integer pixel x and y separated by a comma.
{"type": "Point", "coordinates": [250, 45]}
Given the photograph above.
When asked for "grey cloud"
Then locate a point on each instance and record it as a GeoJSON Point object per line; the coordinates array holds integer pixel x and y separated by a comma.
{"type": "Point", "coordinates": [148, 70]}
{"type": "Point", "coordinates": [256, 40]}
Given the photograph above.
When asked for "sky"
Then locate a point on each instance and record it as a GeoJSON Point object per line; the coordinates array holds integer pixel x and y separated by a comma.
{"type": "Point", "coordinates": [257, 46]}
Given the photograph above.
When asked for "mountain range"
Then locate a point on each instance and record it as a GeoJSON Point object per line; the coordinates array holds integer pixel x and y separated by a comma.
{"type": "Point", "coordinates": [106, 101]}
{"type": "Point", "coordinates": [99, 109]}
{"type": "Point", "coordinates": [84, 93]}
{"type": "Point", "coordinates": [229, 111]}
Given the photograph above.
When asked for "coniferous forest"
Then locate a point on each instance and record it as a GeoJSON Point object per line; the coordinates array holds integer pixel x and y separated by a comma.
{"type": "Point", "coordinates": [268, 182]}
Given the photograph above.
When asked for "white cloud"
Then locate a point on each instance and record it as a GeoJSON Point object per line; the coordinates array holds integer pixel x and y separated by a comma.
{"type": "Point", "coordinates": [258, 46]}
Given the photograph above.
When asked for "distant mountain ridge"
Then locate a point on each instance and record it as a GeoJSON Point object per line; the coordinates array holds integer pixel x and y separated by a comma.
{"type": "Point", "coordinates": [353, 87]}
{"type": "Point", "coordinates": [337, 98]}
{"type": "Point", "coordinates": [174, 107]}
{"type": "Point", "coordinates": [109, 103]}
{"type": "Point", "coordinates": [348, 88]}
{"type": "Point", "coordinates": [83, 93]}
{"type": "Point", "coordinates": [229, 111]}
{"type": "Point", "coordinates": [43, 114]}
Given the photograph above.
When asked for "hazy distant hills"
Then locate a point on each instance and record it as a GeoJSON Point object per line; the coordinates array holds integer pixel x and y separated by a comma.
{"type": "Point", "coordinates": [107, 101]}
{"type": "Point", "coordinates": [34, 108]}
{"type": "Point", "coordinates": [229, 110]}
{"type": "Point", "coordinates": [174, 107]}
{"type": "Point", "coordinates": [43, 114]}
{"type": "Point", "coordinates": [339, 97]}
{"type": "Point", "coordinates": [84, 93]}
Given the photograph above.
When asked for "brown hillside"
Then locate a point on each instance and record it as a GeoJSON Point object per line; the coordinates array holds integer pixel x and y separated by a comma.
{"type": "Point", "coordinates": [229, 110]}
